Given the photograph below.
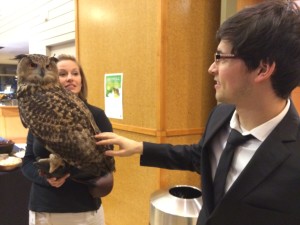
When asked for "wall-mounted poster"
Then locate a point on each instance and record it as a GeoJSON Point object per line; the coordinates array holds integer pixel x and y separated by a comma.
{"type": "Point", "coordinates": [113, 84]}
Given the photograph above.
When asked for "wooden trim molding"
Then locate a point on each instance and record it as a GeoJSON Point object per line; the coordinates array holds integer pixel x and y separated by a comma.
{"type": "Point", "coordinates": [184, 132]}
{"type": "Point", "coordinates": [134, 129]}
{"type": "Point", "coordinates": [153, 132]}
{"type": "Point", "coordinates": [17, 139]}
{"type": "Point", "coordinates": [9, 111]}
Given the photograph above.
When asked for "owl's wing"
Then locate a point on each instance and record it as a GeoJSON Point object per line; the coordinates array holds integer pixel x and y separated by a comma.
{"type": "Point", "coordinates": [22, 118]}
{"type": "Point", "coordinates": [74, 98]}
{"type": "Point", "coordinates": [58, 119]}
{"type": "Point", "coordinates": [21, 88]}
{"type": "Point", "coordinates": [66, 126]}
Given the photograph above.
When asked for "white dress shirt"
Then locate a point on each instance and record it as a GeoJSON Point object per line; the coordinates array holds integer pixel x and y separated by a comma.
{"type": "Point", "coordinates": [245, 152]}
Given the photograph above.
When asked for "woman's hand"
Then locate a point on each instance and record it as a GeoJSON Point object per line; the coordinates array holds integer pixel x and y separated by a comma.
{"type": "Point", "coordinates": [54, 182]}
{"type": "Point", "coordinates": [127, 146]}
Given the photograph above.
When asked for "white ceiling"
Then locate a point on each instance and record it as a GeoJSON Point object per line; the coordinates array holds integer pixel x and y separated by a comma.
{"type": "Point", "coordinates": [15, 28]}
{"type": "Point", "coordinates": [15, 23]}
{"type": "Point", "coordinates": [12, 49]}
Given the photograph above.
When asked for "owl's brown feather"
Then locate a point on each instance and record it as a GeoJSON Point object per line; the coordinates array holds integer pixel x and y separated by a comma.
{"type": "Point", "coordinates": [58, 118]}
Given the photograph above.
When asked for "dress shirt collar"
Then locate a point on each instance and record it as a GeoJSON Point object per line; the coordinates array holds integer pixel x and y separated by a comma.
{"type": "Point", "coordinates": [262, 131]}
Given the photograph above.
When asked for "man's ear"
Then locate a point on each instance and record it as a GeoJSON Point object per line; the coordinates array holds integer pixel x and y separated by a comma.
{"type": "Point", "coordinates": [265, 70]}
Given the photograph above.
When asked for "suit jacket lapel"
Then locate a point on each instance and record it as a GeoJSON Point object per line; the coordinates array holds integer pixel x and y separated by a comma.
{"type": "Point", "coordinates": [218, 119]}
{"type": "Point", "coordinates": [272, 152]}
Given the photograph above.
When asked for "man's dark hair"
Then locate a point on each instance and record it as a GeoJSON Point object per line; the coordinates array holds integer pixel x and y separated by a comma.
{"type": "Point", "coordinates": [268, 32]}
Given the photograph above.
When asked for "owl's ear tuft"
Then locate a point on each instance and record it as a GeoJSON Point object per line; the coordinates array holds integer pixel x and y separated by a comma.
{"type": "Point", "coordinates": [19, 57]}
{"type": "Point", "coordinates": [54, 59]}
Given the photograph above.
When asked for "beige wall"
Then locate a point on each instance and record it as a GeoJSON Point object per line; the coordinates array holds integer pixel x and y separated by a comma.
{"type": "Point", "coordinates": [164, 49]}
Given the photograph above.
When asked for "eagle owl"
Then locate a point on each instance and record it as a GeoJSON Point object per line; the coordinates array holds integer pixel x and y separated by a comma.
{"type": "Point", "coordinates": [58, 118]}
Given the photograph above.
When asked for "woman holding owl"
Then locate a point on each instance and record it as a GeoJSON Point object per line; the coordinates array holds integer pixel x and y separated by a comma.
{"type": "Point", "coordinates": [61, 201]}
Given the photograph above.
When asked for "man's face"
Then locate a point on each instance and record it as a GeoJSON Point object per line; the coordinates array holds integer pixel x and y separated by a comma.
{"type": "Point", "coordinates": [233, 80]}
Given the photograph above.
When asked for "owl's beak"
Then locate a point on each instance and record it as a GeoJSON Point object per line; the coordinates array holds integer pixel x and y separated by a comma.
{"type": "Point", "coordinates": [42, 72]}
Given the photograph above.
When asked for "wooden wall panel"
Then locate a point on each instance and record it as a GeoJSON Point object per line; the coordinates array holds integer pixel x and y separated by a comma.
{"type": "Point", "coordinates": [190, 46]}
{"type": "Point", "coordinates": [189, 94]}
{"type": "Point", "coordinates": [124, 39]}
{"type": "Point", "coordinates": [296, 98]}
{"type": "Point", "coordinates": [129, 202]}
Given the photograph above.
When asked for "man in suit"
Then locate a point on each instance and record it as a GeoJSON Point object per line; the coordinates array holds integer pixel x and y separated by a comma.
{"type": "Point", "coordinates": [256, 67]}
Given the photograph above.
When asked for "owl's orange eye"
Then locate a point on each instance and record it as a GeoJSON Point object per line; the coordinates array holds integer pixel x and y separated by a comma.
{"type": "Point", "coordinates": [33, 65]}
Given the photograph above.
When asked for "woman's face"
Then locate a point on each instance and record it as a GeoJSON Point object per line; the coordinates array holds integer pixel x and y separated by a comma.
{"type": "Point", "coordinates": [69, 75]}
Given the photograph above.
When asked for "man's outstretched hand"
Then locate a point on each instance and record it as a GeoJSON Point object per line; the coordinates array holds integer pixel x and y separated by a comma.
{"type": "Point", "coordinates": [127, 147]}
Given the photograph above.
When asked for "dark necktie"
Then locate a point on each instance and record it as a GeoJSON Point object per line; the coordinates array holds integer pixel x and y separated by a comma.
{"type": "Point", "coordinates": [234, 140]}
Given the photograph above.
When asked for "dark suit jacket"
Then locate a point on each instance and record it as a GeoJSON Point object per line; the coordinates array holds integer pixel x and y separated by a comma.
{"type": "Point", "coordinates": [267, 192]}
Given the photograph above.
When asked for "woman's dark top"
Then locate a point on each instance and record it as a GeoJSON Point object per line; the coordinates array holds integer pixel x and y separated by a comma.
{"type": "Point", "coordinates": [71, 196]}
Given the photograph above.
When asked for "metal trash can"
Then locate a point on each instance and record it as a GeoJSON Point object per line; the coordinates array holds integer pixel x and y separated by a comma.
{"type": "Point", "coordinates": [178, 205]}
